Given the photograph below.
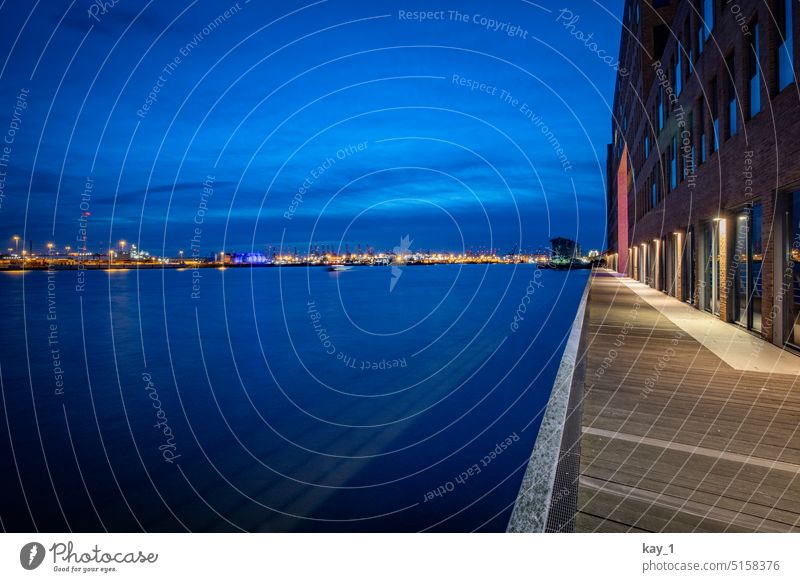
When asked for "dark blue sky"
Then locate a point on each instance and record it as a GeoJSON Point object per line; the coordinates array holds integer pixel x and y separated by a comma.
{"type": "Point", "coordinates": [272, 100]}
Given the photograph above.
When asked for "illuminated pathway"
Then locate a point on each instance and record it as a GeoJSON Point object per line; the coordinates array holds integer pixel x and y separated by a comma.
{"type": "Point", "coordinates": [688, 423]}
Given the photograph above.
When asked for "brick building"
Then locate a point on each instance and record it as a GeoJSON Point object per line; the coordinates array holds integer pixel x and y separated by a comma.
{"type": "Point", "coordinates": [704, 164]}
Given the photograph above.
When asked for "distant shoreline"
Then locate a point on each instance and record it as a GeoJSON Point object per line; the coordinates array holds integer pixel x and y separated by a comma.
{"type": "Point", "coordinates": [151, 267]}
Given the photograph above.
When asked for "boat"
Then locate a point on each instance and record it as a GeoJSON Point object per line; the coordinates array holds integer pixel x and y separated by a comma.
{"type": "Point", "coordinates": [339, 268]}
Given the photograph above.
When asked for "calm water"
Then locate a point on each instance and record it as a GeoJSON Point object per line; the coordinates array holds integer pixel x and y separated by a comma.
{"type": "Point", "coordinates": [276, 399]}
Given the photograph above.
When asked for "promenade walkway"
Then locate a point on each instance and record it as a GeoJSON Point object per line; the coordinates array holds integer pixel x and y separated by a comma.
{"type": "Point", "coordinates": [688, 424]}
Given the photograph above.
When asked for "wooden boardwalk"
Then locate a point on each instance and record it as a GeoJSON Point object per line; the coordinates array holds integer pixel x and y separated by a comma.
{"type": "Point", "coordinates": [675, 439]}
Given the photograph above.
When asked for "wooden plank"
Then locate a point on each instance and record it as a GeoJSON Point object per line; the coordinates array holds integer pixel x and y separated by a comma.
{"type": "Point", "coordinates": [641, 469]}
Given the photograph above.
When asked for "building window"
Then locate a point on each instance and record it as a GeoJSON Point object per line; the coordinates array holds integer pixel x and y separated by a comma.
{"type": "Point", "coordinates": [791, 270]}
{"type": "Point", "coordinates": [686, 54]}
{"type": "Point", "coordinates": [754, 70]}
{"type": "Point", "coordinates": [746, 268]}
{"type": "Point", "coordinates": [731, 64]}
{"type": "Point", "coordinates": [660, 107]}
{"type": "Point", "coordinates": [701, 29]}
{"type": "Point", "coordinates": [708, 19]}
{"type": "Point", "coordinates": [646, 144]}
{"type": "Point", "coordinates": [701, 118]}
{"type": "Point", "coordinates": [783, 18]}
{"type": "Point", "coordinates": [687, 149]}
{"type": "Point", "coordinates": [713, 95]}
{"type": "Point", "coordinates": [673, 164]}
{"type": "Point", "coordinates": [677, 68]}
{"type": "Point", "coordinates": [653, 193]}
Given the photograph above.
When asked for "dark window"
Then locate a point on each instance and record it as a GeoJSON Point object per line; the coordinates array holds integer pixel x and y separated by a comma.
{"type": "Point", "coordinates": [701, 119]}
{"type": "Point", "coordinates": [653, 193]}
{"type": "Point", "coordinates": [687, 148]}
{"type": "Point", "coordinates": [701, 28]}
{"type": "Point", "coordinates": [713, 96]}
{"type": "Point", "coordinates": [660, 37]}
{"type": "Point", "coordinates": [673, 164]}
{"type": "Point", "coordinates": [686, 54]}
{"type": "Point", "coordinates": [708, 18]}
{"type": "Point", "coordinates": [731, 64]}
{"type": "Point", "coordinates": [754, 70]}
{"type": "Point", "coordinates": [783, 18]}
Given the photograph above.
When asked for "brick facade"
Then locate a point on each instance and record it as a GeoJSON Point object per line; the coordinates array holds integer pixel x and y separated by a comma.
{"type": "Point", "coordinates": [760, 163]}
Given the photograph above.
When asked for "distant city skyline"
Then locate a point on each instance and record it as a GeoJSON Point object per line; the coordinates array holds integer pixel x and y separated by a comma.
{"type": "Point", "coordinates": [16, 248]}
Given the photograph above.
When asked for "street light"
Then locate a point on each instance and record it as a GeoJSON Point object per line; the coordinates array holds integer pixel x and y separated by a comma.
{"type": "Point", "coordinates": [122, 244]}
{"type": "Point", "coordinates": [181, 254]}
{"type": "Point", "coordinates": [16, 242]}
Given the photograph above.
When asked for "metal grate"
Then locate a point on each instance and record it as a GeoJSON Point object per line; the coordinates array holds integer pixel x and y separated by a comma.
{"type": "Point", "coordinates": [564, 500]}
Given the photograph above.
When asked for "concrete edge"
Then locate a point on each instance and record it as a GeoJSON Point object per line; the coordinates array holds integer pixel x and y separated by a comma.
{"type": "Point", "coordinates": [532, 507]}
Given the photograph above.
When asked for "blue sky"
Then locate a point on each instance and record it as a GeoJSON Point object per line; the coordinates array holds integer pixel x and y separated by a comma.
{"type": "Point", "coordinates": [332, 122]}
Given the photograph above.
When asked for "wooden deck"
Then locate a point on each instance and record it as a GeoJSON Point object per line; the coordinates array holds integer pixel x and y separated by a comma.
{"type": "Point", "coordinates": [674, 439]}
